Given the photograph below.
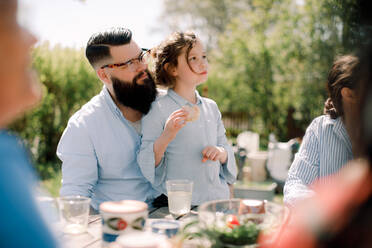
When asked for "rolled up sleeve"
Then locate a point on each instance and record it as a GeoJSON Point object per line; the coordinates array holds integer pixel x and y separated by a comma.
{"type": "Point", "coordinates": [79, 162]}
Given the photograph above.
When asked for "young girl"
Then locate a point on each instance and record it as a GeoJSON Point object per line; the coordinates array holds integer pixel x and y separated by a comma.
{"type": "Point", "coordinates": [183, 136]}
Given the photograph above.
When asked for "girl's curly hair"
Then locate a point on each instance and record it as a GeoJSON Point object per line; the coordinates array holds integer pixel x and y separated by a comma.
{"type": "Point", "coordinates": [166, 54]}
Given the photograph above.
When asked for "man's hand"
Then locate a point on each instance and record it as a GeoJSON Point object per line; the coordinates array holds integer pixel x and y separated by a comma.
{"type": "Point", "coordinates": [214, 153]}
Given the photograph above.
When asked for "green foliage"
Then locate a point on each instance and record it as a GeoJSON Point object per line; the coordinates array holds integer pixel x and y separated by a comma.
{"type": "Point", "coordinates": [222, 236]}
{"type": "Point", "coordinates": [233, 132]}
{"type": "Point", "coordinates": [68, 82]}
{"type": "Point", "coordinates": [53, 183]}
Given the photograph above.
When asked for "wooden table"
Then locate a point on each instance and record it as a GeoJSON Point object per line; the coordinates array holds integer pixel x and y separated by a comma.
{"type": "Point", "coordinates": [92, 238]}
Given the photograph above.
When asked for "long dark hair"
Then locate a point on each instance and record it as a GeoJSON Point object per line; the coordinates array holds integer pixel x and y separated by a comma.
{"type": "Point", "coordinates": [344, 73]}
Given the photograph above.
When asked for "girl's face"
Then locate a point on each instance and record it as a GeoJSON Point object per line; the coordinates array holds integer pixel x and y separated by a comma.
{"type": "Point", "coordinates": [197, 60]}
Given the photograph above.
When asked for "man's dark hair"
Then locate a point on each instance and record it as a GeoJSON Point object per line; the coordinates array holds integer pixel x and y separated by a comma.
{"type": "Point", "coordinates": [98, 46]}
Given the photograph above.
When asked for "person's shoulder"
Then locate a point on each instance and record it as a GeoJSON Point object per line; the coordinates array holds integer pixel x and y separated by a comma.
{"type": "Point", "coordinates": [162, 95]}
{"type": "Point", "coordinates": [89, 111]}
{"type": "Point", "coordinates": [326, 122]}
{"type": "Point", "coordinates": [8, 140]}
{"type": "Point", "coordinates": [324, 125]}
{"type": "Point", "coordinates": [162, 99]}
{"type": "Point", "coordinates": [161, 92]}
{"type": "Point", "coordinates": [322, 121]}
{"type": "Point", "coordinates": [11, 145]}
{"type": "Point", "coordinates": [208, 100]}
{"type": "Point", "coordinates": [316, 125]}
{"type": "Point", "coordinates": [157, 106]}
{"type": "Point", "coordinates": [210, 103]}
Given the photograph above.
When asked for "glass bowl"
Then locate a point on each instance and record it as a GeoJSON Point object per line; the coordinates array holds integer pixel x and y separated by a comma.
{"type": "Point", "coordinates": [239, 218]}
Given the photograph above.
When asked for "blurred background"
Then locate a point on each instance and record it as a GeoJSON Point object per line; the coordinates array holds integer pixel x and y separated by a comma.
{"type": "Point", "coordinates": [269, 60]}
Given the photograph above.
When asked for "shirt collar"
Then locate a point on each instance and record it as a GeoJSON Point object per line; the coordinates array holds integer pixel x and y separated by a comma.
{"type": "Point", "coordinates": [182, 101]}
{"type": "Point", "coordinates": [110, 102]}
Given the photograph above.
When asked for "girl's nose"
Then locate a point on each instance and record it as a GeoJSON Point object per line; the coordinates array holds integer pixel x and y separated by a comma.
{"type": "Point", "coordinates": [203, 65]}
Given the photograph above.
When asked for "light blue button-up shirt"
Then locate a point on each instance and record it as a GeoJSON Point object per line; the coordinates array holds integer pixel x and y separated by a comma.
{"type": "Point", "coordinates": [182, 158]}
{"type": "Point", "coordinates": [98, 151]}
{"type": "Point", "coordinates": [325, 149]}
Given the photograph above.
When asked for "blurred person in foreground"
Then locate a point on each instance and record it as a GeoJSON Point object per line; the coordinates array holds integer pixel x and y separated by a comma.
{"type": "Point", "coordinates": [327, 144]}
{"type": "Point", "coordinates": [99, 146]}
{"type": "Point", "coordinates": [340, 214]}
{"type": "Point", "coordinates": [21, 224]}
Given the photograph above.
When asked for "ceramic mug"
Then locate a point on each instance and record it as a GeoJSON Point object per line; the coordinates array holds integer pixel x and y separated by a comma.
{"type": "Point", "coordinates": [122, 217]}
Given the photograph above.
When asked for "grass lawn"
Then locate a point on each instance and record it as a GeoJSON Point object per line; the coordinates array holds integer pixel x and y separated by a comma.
{"type": "Point", "coordinates": [52, 185]}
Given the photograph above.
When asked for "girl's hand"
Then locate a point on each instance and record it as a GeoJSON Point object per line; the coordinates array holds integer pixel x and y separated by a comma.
{"type": "Point", "coordinates": [214, 153]}
{"type": "Point", "coordinates": [174, 123]}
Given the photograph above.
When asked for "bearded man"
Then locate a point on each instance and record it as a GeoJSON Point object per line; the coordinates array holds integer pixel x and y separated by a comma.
{"type": "Point", "coordinates": [99, 146]}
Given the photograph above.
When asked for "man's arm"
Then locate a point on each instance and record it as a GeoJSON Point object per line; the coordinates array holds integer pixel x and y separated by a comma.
{"type": "Point", "coordinates": [79, 162]}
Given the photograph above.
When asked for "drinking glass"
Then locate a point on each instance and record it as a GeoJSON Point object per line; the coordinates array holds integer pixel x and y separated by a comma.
{"type": "Point", "coordinates": [179, 196]}
{"type": "Point", "coordinates": [74, 212]}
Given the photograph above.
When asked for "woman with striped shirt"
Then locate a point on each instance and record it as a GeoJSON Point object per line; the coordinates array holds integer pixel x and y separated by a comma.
{"type": "Point", "coordinates": [327, 144]}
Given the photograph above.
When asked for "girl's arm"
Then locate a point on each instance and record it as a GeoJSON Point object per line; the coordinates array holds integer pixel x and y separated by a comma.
{"type": "Point", "coordinates": [229, 171]}
{"type": "Point", "coordinates": [152, 128]}
{"type": "Point", "coordinates": [174, 123]}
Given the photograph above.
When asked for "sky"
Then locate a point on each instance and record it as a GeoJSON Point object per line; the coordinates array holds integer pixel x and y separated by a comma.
{"type": "Point", "coordinates": [71, 22]}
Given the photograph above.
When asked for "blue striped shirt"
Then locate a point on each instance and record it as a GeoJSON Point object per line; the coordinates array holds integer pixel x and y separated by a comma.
{"type": "Point", "coordinates": [325, 149]}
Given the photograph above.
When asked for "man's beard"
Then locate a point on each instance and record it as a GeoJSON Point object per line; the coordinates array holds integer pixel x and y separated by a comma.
{"type": "Point", "coordinates": [134, 95]}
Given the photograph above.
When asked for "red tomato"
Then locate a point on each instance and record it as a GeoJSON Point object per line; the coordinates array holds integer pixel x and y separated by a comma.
{"type": "Point", "coordinates": [232, 221]}
{"type": "Point", "coordinates": [122, 224]}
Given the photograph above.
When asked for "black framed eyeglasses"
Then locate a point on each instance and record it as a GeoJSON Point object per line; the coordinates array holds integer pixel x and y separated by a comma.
{"type": "Point", "coordinates": [132, 63]}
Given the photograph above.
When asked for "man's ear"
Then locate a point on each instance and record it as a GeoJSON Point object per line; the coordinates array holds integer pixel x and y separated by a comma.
{"type": "Point", "coordinates": [102, 75]}
{"type": "Point", "coordinates": [170, 69]}
{"type": "Point", "coordinates": [348, 95]}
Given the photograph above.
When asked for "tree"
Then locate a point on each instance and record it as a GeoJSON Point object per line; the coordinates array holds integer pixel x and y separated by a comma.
{"type": "Point", "coordinates": [68, 82]}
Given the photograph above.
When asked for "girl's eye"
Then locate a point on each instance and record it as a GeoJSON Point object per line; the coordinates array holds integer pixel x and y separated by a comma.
{"type": "Point", "coordinates": [192, 58]}
{"type": "Point", "coordinates": [205, 57]}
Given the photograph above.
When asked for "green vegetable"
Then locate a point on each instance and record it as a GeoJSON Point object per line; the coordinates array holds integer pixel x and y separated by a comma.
{"type": "Point", "coordinates": [245, 234]}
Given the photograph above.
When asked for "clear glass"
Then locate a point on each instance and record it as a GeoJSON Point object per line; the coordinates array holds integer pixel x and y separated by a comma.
{"type": "Point", "coordinates": [74, 213]}
{"type": "Point", "coordinates": [179, 197]}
